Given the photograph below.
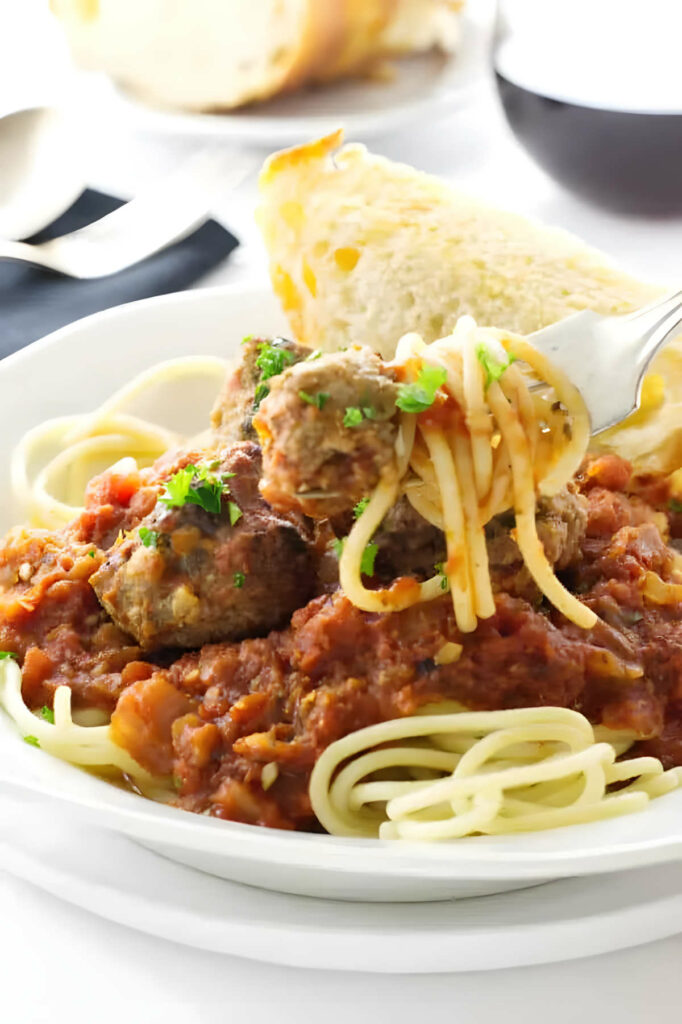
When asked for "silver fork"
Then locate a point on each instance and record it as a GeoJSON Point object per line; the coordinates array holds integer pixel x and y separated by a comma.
{"type": "Point", "coordinates": [606, 357]}
{"type": "Point", "coordinates": [163, 213]}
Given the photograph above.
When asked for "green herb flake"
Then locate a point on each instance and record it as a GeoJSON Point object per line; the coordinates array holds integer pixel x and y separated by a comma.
{"type": "Point", "coordinates": [360, 507]}
{"type": "Point", "coordinates": [262, 391]}
{"type": "Point", "coordinates": [272, 360]}
{"type": "Point", "coordinates": [92, 554]}
{"type": "Point", "coordinates": [239, 579]}
{"type": "Point", "coordinates": [369, 412]}
{"type": "Point", "coordinates": [47, 714]}
{"type": "Point", "coordinates": [493, 367]}
{"type": "Point", "coordinates": [32, 741]}
{"type": "Point", "coordinates": [319, 400]}
{"type": "Point", "coordinates": [440, 569]}
{"type": "Point", "coordinates": [246, 339]}
{"type": "Point", "coordinates": [368, 555]}
{"type": "Point", "coordinates": [4, 655]}
{"type": "Point", "coordinates": [368, 558]}
{"type": "Point", "coordinates": [317, 354]}
{"type": "Point", "coordinates": [150, 538]}
{"type": "Point", "coordinates": [675, 506]}
{"type": "Point", "coordinates": [195, 485]}
{"type": "Point", "coordinates": [235, 513]}
{"type": "Point", "coordinates": [421, 394]}
{"type": "Point", "coordinates": [353, 416]}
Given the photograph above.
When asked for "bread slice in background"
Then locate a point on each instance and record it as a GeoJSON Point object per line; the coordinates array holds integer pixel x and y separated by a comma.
{"type": "Point", "coordinates": [363, 249]}
{"type": "Point", "coordinates": [208, 55]}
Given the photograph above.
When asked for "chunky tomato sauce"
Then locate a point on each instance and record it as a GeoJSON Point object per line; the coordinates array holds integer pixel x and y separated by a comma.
{"type": "Point", "coordinates": [212, 719]}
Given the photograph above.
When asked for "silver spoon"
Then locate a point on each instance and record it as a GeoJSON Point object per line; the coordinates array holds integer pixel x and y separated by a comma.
{"type": "Point", "coordinates": [39, 170]}
{"type": "Point", "coordinates": [606, 357]}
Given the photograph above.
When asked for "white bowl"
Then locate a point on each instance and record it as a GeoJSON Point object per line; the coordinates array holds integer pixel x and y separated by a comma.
{"type": "Point", "coordinates": [73, 370]}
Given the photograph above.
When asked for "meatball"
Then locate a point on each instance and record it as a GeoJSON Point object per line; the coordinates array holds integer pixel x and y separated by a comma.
{"type": "Point", "coordinates": [327, 428]}
{"type": "Point", "coordinates": [187, 576]}
{"type": "Point", "coordinates": [561, 524]}
{"type": "Point", "coordinates": [246, 383]}
{"type": "Point", "coordinates": [408, 545]}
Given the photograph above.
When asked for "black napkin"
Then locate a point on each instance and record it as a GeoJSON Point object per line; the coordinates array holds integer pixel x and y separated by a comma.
{"type": "Point", "coordinates": [34, 302]}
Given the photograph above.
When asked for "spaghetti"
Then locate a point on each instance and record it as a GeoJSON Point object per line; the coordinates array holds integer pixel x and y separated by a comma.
{"type": "Point", "coordinates": [53, 463]}
{"type": "Point", "coordinates": [58, 734]}
{"type": "Point", "coordinates": [490, 442]}
{"type": "Point", "coordinates": [448, 775]}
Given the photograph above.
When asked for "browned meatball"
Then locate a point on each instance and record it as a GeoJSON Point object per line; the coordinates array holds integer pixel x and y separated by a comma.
{"type": "Point", "coordinates": [408, 545]}
{"type": "Point", "coordinates": [188, 576]}
{"type": "Point", "coordinates": [260, 359]}
{"type": "Point", "coordinates": [327, 428]}
{"type": "Point", "coordinates": [561, 523]}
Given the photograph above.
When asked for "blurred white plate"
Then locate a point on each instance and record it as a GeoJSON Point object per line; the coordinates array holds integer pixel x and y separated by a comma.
{"type": "Point", "coordinates": [424, 87]}
{"type": "Point", "coordinates": [75, 369]}
{"type": "Point", "coordinates": [561, 921]}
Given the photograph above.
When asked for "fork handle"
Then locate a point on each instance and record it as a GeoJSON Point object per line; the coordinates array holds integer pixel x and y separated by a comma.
{"type": "Point", "coordinates": [23, 252]}
{"type": "Point", "coordinates": [654, 325]}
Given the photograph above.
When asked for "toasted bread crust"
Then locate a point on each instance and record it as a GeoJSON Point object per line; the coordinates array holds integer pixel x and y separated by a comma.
{"type": "Point", "coordinates": [186, 56]}
{"type": "Point", "coordinates": [362, 250]}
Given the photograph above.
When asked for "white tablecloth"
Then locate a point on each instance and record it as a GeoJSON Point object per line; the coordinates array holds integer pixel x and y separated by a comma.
{"type": "Point", "coordinates": [65, 966]}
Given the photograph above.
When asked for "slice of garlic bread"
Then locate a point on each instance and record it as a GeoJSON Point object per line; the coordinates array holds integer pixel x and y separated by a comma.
{"type": "Point", "coordinates": [220, 54]}
{"type": "Point", "coordinates": [362, 250]}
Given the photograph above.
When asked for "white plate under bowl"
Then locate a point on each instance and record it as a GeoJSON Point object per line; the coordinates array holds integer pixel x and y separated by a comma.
{"type": "Point", "coordinates": [75, 369]}
{"type": "Point", "coordinates": [560, 921]}
{"type": "Point", "coordinates": [423, 87]}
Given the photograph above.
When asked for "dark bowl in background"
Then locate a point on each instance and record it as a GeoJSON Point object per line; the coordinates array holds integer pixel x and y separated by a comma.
{"type": "Point", "coordinates": [624, 161]}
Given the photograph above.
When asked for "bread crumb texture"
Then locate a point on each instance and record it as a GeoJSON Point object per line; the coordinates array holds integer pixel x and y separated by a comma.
{"type": "Point", "coordinates": [377, 249]}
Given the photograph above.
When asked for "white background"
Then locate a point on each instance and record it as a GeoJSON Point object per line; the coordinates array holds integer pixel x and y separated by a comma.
{"type": "Point", "coordinates": [65, 966]}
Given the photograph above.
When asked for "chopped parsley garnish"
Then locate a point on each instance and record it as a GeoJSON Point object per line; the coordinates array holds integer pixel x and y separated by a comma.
{"type": "Point", "coordinates": [674, 505]}
{"type": "Point", "coordinates": [368, 557]}
{"type": "Point", "coordinates": [440, 569]}
{"type": "Point", "coordinates": [32, 741]}
{"type": "Point", "coordinates": [235, 513]}
{"type": "Point", "coordinates": [91, 554]}
{"type": "Point", "coordinates": [150, 538]}
{"type": "Point", "coordinates": [247, 338]}
{"type": "Point", "coordinates": [317, 354]}
{"type": "Point", "coordinates": [319, 400]}
{"type": "Point", "coordinates": [353, 416]}
{"type": "Point", "coordinates": [493, 367]}
{"type": "Point", "coordinates": [338, 546]}
{"type": "Point", "coordinates": [47, 714]}
{"type": "Point", "coordinates": [262, 391]}
{"type": "Point", "coordinates": [195, 485]}
{"type": "Point", "coordinates": [421, 394]}
{"type": "Point", "coordinates": [239, 579]}
{"type": "Point", "coordinates": [360, 507]}
{"type": "Point", "coordinates": [272, 360]}
{"type": "Point", "coordinates": [4, 655]}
